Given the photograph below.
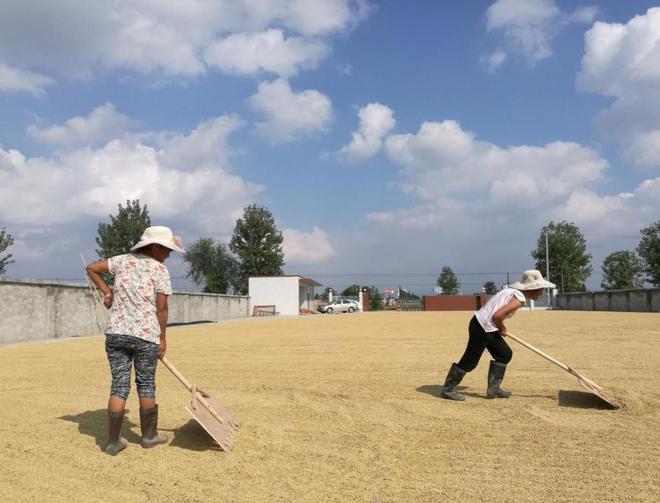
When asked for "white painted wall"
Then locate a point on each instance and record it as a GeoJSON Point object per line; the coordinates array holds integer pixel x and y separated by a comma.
{"type": "Point", "coordinates": [281, 291]}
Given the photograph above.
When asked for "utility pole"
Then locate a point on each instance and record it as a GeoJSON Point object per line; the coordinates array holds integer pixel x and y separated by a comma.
{"type": "Point", "coordinates": [547, 266]}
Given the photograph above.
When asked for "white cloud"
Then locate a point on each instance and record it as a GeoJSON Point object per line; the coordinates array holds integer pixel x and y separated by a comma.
{"type": "Point", "coordinates": [290, 115]}
{"type": "Point", "coordinates": [102, 124]}
{"type": "Point", "coordinates": [623, 61]}
{"type": "Point", "coordinates": [268, 51]}
{"type": "Point", "coordinates": [442, 164]}
{"type": "Point", "coordinates": [529, 26]}
{"type": "Point", "coordinates": [184, 179]}
{"type": "Point", "coordinates": [75, 38]}
{"type": "Point", "coordinates": [306, 247]}
{"type": "Point", "coordinates": [376, 121]}
{"type": "Point", "coordinates": [14, 80]}
{"type": "Point", "coordinates": [494, 61]}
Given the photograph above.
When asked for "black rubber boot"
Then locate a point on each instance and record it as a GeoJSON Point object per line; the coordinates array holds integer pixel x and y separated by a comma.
{"type": "Point", "coordinates": [116, 443]}
{"type": "Point", "coordinates": [149, 427]}
{"type": "Point", "coordinates": [454, 377]}
{"type": "Point", "coordinates": [495, 375]}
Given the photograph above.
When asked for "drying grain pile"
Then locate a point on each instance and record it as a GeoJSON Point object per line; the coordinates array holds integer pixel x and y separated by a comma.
{"type": "Point", "coordinates": [346, 408]}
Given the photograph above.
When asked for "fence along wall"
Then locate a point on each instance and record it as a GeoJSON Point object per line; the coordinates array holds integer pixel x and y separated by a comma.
{"type": "Point", "coordinates": [40, 310]}
{"type": "Point", "coordinates": [646, 300]}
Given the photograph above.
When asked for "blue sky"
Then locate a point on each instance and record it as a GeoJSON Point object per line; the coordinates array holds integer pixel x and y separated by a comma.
{"type": "Point", "coordinates": [389, 139]}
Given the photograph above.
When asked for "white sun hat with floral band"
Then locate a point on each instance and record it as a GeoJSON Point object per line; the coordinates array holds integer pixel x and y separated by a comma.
{"type": "Point", "coordinates": [532, 280]}
{"type": "Point", "coordinates": [162, 236]}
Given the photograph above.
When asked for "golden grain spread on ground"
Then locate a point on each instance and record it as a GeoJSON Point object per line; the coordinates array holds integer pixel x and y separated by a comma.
{"type": "Point", "coordinates": [346, 408]}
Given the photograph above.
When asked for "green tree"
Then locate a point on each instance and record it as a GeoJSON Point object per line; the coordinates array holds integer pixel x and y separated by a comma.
{"type": "Point", "coordinates": [649, 251]}
{"type": "Point", "coordinates": [490, 287]}
{"type": "Point", "coordinates": [622, 270]}
{"type": "Point", "coordinates": [211, 265]}
{"type": "Point", "coordinates": [6, 240]}
{"type": "Point", "coordinates": [448, 281]}
{"type": "Point", "coordinates": [124, 230]}
{"type": "Point", "coordinates": [351, 291]}
{"type": "Point", "coordinates": [375, 298]}
{"type": "Point", "coordinates": [258, 245]}
{"type": "Point", "coordinates": [570, 264]}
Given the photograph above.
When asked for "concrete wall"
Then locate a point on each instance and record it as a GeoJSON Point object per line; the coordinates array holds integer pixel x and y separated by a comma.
{"type": "Point", "coordinates": [643, 300]}
{"type": "Point", "coordinates": [40, 310]}
{"type": "Point", "coordinates": [279, 291]}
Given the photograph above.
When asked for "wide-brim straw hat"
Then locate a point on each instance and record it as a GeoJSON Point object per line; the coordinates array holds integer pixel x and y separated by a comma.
{"type": "Point", "coordinates": [532, 280]}
{"type": "Point", "coordinates": [160, 235]}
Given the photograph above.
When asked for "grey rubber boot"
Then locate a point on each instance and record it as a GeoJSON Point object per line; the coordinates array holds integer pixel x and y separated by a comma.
{"type": "Point", "coordinates": [149, 427]}
{"type": "Point", "coordinates": [116, 443]}
{"type": "Point", "coordinates": [495, 375]}
{"type": "Point", "coordinates": [454, 377]}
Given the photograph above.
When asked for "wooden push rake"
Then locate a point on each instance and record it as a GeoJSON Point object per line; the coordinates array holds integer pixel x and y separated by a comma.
{"type": "Point", "coordinates": [585, 382]}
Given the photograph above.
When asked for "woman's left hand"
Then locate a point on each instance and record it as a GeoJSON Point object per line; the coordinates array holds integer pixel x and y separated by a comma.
{"type": "Point", "coordinates": [163, 348]}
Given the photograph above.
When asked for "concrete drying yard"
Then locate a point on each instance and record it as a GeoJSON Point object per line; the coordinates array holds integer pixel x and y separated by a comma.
{"type": "Point", "coordinates": [346, 408]}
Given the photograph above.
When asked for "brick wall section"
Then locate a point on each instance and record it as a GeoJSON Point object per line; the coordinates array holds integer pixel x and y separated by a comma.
{"type": "Point", "coordinates": [454, 302]}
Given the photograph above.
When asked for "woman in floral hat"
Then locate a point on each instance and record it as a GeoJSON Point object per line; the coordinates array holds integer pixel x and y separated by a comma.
{"type": "Point", "coordinates": [135, 333]}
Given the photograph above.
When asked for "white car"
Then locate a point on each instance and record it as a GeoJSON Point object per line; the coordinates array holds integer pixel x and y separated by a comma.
{"type": "Point", "coordinates": [341, 306]}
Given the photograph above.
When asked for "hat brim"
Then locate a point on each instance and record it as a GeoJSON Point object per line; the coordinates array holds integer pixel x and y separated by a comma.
{"type": "Point", "coordinates": [536, 285]}
{"type": "Point", "coordinates": [148, 242]}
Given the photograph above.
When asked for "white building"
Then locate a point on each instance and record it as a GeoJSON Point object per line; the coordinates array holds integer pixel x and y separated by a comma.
{"type": "Point", "coordinates": [284, 295]}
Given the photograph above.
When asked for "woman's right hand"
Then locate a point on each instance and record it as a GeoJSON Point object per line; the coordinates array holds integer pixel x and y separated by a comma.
{"type": "Point", "coordinates": [107, 300]}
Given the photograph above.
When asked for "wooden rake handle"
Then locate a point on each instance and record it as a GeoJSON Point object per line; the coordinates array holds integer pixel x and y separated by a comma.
{"type": "Point", "coordinates": [561, 365]}
{"type": "Point", "coordinates": [196, 393]}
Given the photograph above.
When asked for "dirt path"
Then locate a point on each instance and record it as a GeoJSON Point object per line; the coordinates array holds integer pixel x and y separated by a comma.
{"type": "Point", "coordinates": [346, 408]}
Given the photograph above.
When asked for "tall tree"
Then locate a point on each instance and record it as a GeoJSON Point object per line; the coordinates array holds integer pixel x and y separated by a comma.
{"type": "Point", "coordinates": [622, 270]}
{"type": "Point", "coordinates": [6, 240]}
{"type": "Point", "coordinates": [211, 265]}
{"type": "Point", "coordinates": [649, 251]}
{"type": "Point", "coordinates": [124, 229]}
{"type": "Point", "coordinates": [351, 291]}
{"type": "Point", "coordinates": [570, 264]}
{"type": "Point", "coordinates": [490, 287]}
{"type": "Point", "coordinates": [258, 245]}
{"type": "Point", "coordinates": [448, 281]}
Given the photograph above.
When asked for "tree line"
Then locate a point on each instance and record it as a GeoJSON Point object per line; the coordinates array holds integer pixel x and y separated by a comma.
{"type": "Point", "coordinates": [255, 249]}
{"type": "Point", "coordinates": [569, 263]}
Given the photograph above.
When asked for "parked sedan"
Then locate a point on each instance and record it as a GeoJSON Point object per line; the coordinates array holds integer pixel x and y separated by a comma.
{"type": "Point", "coordinates": [341, 306]}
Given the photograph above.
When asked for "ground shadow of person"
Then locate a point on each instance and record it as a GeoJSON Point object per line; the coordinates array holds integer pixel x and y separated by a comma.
{"type": "Point", "coordinates": [436, 391]}
{"type": "Point", "coordinates": [95, 424]}
{"type": "Point", "coordinates": [193, 437]}
{"type": "Point", "coordinates": [583, 400]}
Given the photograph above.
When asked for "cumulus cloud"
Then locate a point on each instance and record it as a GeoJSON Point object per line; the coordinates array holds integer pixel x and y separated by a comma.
{"type": "Point", "coordinates": [102, 124]}
{"type": "Point", "coordinates": [290, 115]}
{"type": "Point", "coordinates": [268, 51]}
{"type": "Point", "coordinates": [376, 121]}
{"type": "Point", "coordinates": [183, 178]}
{"type": "Point", "coordinates": [623, 61]}
{"type": "Point", "coordinates": [529, 26]}
{"type": "Point", "coordinates": [494, 61]}
{"type": "Point", "coordinates": [306, 247]}
{"type": "Point", "coordinates": [14, 80]}
{"type": "Point", "coordinates": [75, 38]}
{"type": "Point", "coordinates": [443, 163]}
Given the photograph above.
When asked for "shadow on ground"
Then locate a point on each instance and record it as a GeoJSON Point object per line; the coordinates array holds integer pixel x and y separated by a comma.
{"type": "Point", "coordinates": [193, 437]}
{"type": "Point", "coordinates": [583, 400]}
{"type": "Point", "coordinates": [95, 424]}
{"type": "Point", "coordinates": [436, 391]}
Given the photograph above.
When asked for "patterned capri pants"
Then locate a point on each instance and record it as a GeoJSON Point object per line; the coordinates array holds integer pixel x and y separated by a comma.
{"type": "Point", "coordinates": [122, 351]}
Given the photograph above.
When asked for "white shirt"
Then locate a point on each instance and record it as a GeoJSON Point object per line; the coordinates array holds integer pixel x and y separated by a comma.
{"type": "Point", "coordinates": [502, 298]}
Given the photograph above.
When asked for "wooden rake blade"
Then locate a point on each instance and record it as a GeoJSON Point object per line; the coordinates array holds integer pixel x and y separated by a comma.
{"type": "Point", "coordinates": [585, 382]}
{"type": "Point", "coordinates": [213, 417]}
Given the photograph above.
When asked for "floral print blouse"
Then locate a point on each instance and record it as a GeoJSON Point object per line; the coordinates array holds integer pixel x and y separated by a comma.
{"type": "Point", "coordinates": [138, 279]}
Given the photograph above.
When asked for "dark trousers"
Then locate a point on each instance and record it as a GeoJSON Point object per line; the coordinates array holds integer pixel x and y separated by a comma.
{"type": "Point", "coordinates": [479, 341]}
{"type": "Point", "coordinates": [122, 351]}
